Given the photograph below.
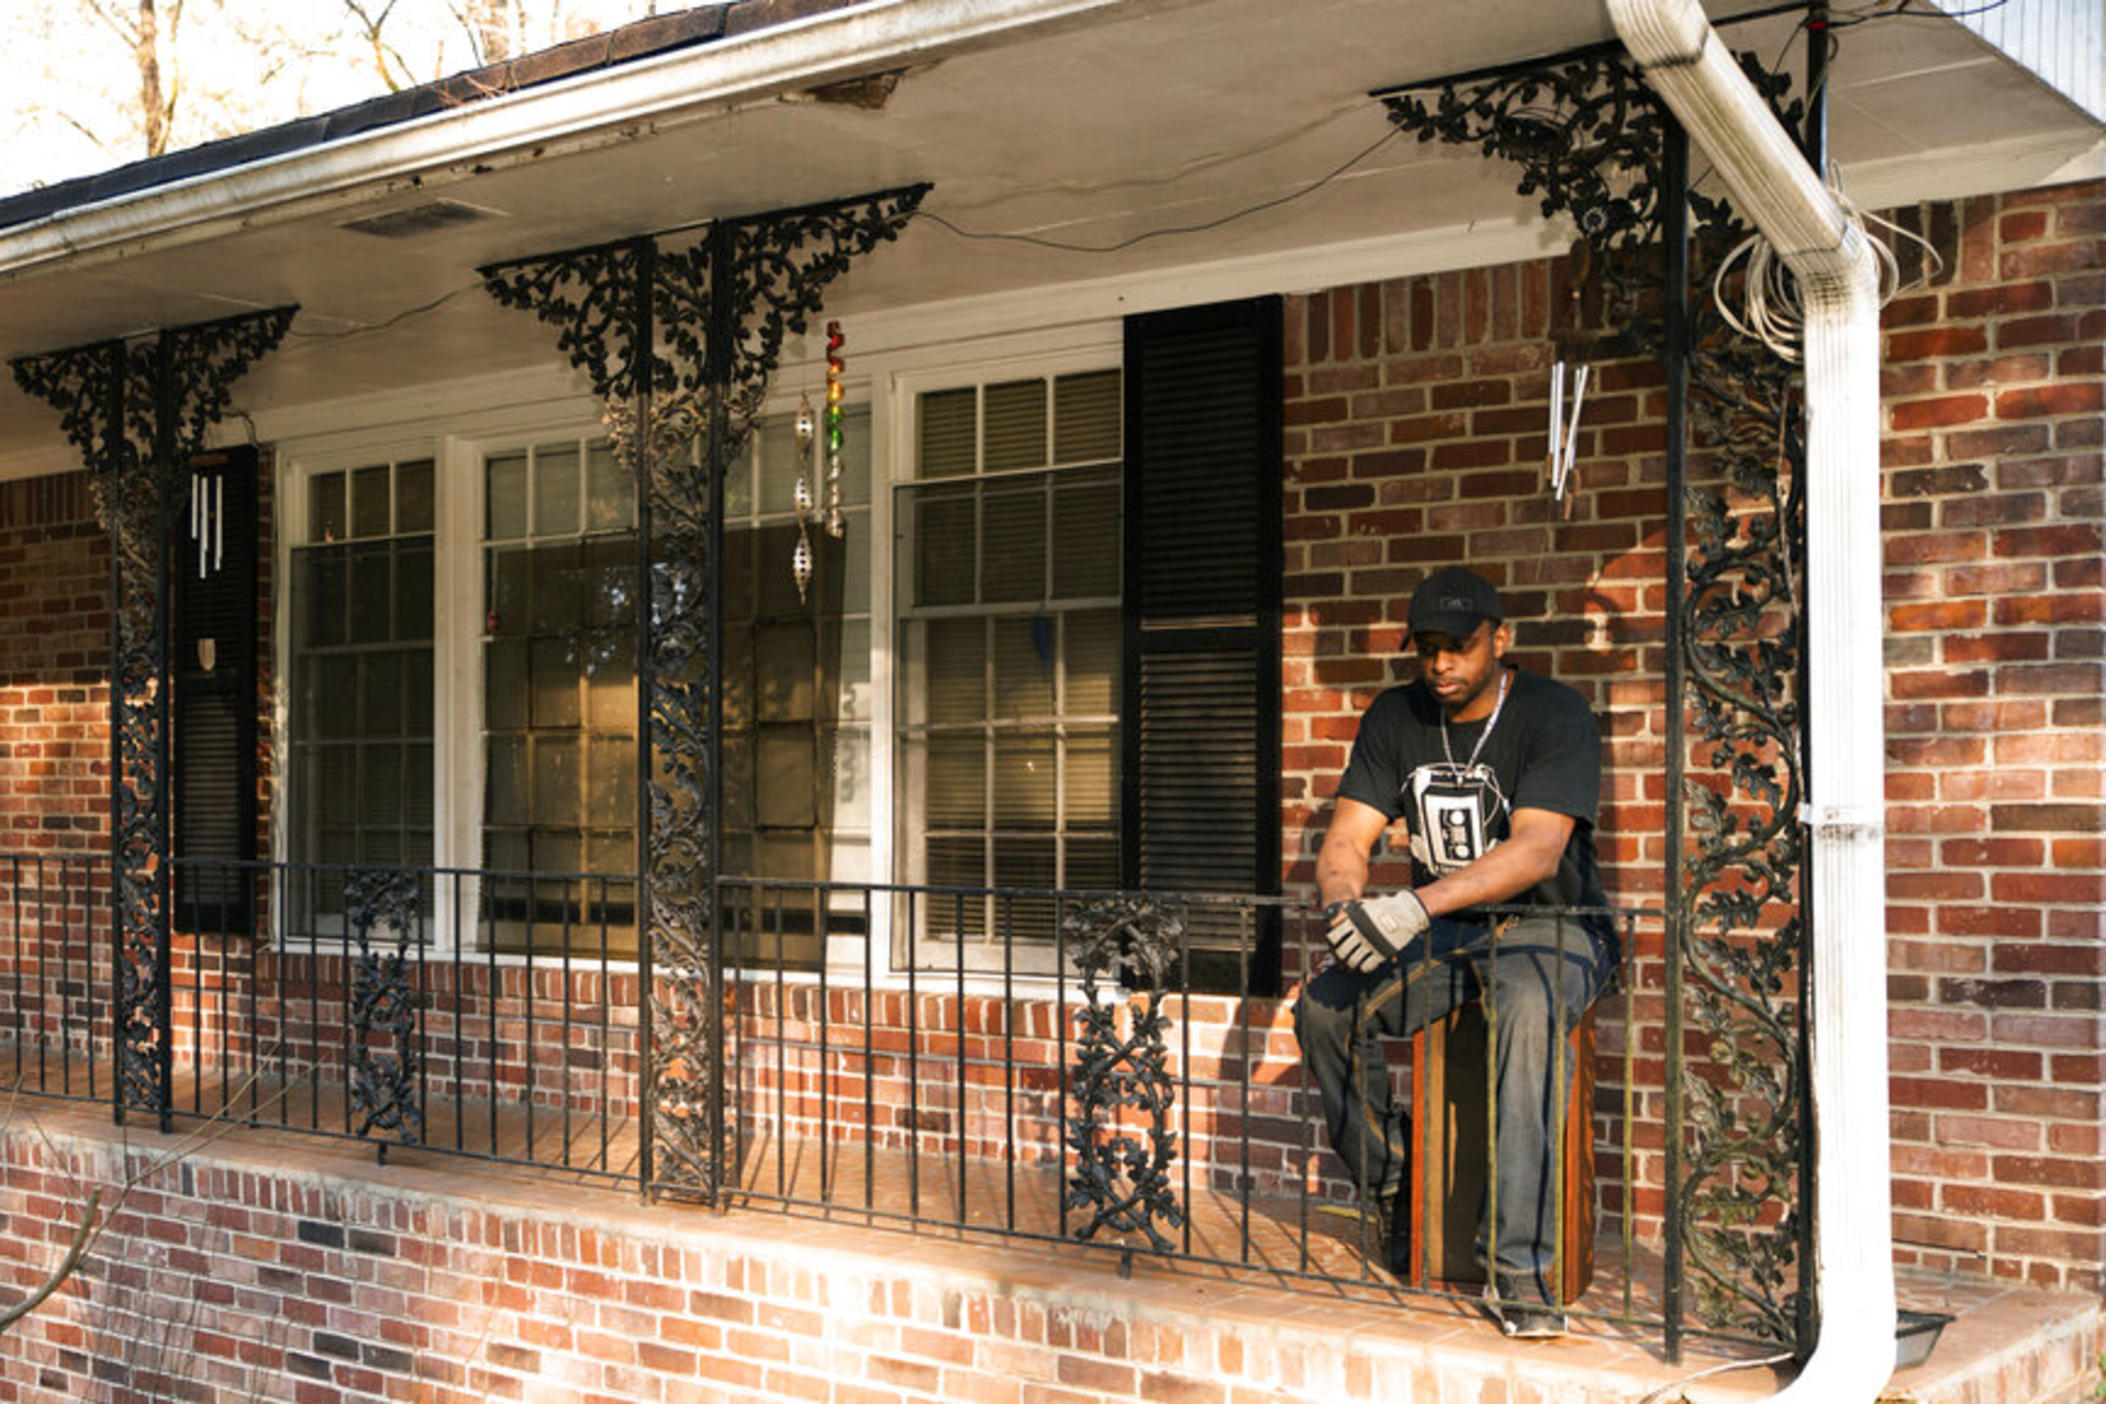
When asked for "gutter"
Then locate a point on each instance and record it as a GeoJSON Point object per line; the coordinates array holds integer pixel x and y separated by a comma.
{"type": "Point", "coordinates": [598, 109]}
{"type": "Point", "coordinates": [1831, 258]}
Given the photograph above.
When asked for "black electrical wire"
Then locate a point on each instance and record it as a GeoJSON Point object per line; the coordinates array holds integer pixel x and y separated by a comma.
{"type": "Point", "coordinates": [1311, 188]}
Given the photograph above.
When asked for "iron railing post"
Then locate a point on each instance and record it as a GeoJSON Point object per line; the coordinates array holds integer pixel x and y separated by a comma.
{"type": "Point", "coordinates": [1674, 198]}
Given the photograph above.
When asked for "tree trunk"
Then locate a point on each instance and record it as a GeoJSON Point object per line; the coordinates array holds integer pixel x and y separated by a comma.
{"type": "Point", "coordinates": [146, 48]}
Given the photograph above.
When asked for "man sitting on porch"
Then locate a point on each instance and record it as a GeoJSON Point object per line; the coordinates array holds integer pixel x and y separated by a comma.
{"type": "Point", "coordinates": [1496, 772]}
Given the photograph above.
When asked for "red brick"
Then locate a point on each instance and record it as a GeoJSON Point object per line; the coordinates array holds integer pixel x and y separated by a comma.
{"type": "Point", "coordinates": [1939, 341]}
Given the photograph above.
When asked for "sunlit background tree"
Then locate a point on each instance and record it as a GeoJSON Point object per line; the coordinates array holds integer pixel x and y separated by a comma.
{"type": "Point", "coordinates": [94, 84]}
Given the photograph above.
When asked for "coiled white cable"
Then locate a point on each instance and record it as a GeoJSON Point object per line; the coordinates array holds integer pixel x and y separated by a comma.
{"type": "Point", "coordinates": [1773, 313]}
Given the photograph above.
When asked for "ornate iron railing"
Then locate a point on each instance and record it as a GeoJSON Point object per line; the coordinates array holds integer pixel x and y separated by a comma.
{"type": "Point", "coordinates": [876, 1070]}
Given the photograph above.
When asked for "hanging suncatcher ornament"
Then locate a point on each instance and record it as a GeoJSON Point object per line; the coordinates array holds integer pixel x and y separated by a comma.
{"type": "Point", "coordinates": [801, 558]}
{"type": "Point", "coordinates": [836, 523]}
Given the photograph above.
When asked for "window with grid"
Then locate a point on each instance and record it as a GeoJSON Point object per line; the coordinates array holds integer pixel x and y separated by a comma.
{"type": "Point", "coordinates": [1009, 583]}
{"type": "Point", "coordinates": [559, 698]}
{"type": "Point", "coordinates": [797, 694]}
{"type": "Point", "coordinates": [360, 754]}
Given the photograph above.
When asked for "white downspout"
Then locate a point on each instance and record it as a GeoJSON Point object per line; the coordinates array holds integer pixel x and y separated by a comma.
{"type": "Point", "coordinates": [1837, 277]}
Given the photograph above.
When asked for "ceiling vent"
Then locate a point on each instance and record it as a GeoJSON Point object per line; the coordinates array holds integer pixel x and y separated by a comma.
{"type": "Point", "coordinates": [419, 220]}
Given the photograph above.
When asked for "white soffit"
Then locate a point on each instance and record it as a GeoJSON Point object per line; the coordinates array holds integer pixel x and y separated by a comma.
{"type": "Point", "coordinates": [1095, 125]}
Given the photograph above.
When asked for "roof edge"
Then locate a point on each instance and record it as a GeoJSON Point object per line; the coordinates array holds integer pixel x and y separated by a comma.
{"type": "Point", "coordinates": [804, 43]}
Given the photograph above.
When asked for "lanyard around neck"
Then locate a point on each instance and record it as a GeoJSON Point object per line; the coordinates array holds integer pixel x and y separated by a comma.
{"type": "Point", "coordinates": [1506, 676]}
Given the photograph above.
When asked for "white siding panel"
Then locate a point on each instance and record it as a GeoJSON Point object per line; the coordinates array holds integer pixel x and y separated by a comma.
{"type": "Point", "coordinates": [2064, 41]}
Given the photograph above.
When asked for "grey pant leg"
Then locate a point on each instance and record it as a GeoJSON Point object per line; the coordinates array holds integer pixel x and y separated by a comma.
{"type": "Point", "coordinates": [1340, 1020]}
{"type": "Point", "coordinates": [1536, 990]}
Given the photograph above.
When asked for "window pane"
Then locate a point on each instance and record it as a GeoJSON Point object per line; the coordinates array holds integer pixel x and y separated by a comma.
{"type": "Point", "coordinates": [414, 504]}
{"type": "Point", "coordinates": [610, 801]}
{"type": "Point", "coordinates": [610, 689]}
{"type": "Point", "coordinates": [738, 678]}
{"type": "Point", "coordinates": [783, 782]}
{"type": "Point", "coordinates": [324, 578]}
{"type": "Point", "coordinates": [506, 478]}
{"type": "Point", "coordinates": [326, 519]}
{"type": "Point", "coordinates": [380, 783]}
{"type": "Point", "coordinates": [509, 592]}
{"type": "Point", "coordinates": [336, 698]}
{"type": "Point", "coordinates": [372, 575]}
{"type": "Point", "coordinates": [610, 492]}
{"type": "Point", "coordinates": [555, 489]}
{"type": "Point", "coordinates": [738, 783]}
{"type": "Point", "coordinates": [558, 589]}
{"type": "Point", "coordinates": [1023, 672]}
{"type": "Point", "coordinates": [956, 862]}
{"type": "Point", "coordinates": [944, 532]}
{"type": "Point", "coordinates": [784, 661]}
{"type": "Point", "coordinates": [555, 780]}
{"type": "Point", "coordinates": [383, 694]}
{"type": "Point", "coordinates": [1089, 790]}
{"type": "Point", "coordinates": [1024, 783]}
{"type": "Point", "coordinates": [1014, 553]}
{"type": "Point", "coordinates": [948, 433]}
{"type": "Point", "coordinates": [554, 684]}
{"type": "Point", "coordinates": [413, 603]}
{"type": "Point", "coordinates": [1086, 417]}
{"type": "Point", "coordinates": [504, 779]}
{"type": "Point", "coordinates": [1087, 550]}
{"type": "Point", "coordinates": [371, 502]}
{"type": "Point", "coordinates": [1093, 645]}
{"type": "Point", "coordinates": [1092, 866]}
{"type": "Point", "coordinates": [505, 684]}
{"type": "Point", "coordinates": [957, 778]}
{"type": "Point", "coordinates": [1016, 425]}
{"type": "Point", "coordinates": [956, 669]}
{"type": "Point", "coordinates": [1026, 863]}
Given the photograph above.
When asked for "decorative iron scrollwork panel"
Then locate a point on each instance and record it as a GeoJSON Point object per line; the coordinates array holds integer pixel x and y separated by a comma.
{"type": "Point", "coordinates": [1589, 137]}
{"type": "Point", "coordinates": [1122, 1173]}
{"type": "Point", "coordinates": [680, 334]}
{"type": "Point", "coordinates": [384, 1004]}
{"type": "Point", "coordinates": [135, 411]}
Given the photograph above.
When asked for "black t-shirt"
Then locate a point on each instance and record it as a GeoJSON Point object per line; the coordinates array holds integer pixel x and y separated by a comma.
{"type": "Point", "coordinates": [1544, 752]}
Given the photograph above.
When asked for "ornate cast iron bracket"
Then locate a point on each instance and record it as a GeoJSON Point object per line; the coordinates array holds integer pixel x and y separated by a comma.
{"type": "Point", "coordinates": [136, 410]}
{"type": "Point", "coordinates": [1591, 141]}
{"type": "Point", "coordinates": [1122, 1174]}
{"type": "Point", "coordinates": [385, 1076]}
{"type": "Point", "coordinates": [679, 334]}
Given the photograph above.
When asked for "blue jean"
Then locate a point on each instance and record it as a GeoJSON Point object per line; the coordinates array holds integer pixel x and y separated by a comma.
{"type": "Point", "coordinates": [1534, 981]}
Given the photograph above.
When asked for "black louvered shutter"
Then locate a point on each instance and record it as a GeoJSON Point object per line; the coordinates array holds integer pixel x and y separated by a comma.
{"type": "Point", "coordinates": [213, 749]}
{"type": "Point", "coordinates": [1201, 806]}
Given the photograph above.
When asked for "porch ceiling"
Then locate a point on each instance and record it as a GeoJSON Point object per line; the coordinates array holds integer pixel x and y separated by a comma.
{"type": "Point", "coordinates": [1113, 122]}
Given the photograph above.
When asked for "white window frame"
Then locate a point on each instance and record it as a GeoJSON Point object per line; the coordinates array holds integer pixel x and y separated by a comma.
{"type": "Point", "coordinates": [1080, 349]}
{"type": "Point", "coordinates": [888, 378]}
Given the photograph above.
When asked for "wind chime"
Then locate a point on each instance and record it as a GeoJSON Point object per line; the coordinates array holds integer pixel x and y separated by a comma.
{"type": "Point", "coordinates": [806, 501]}
{"type": "Point", "coordinates": [1564, 428]}
{"type": "Point", "coordinates": [208, 533]}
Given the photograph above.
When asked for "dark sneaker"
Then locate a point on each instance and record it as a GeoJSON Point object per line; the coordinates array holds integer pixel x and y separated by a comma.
{"type": "Point", "coordinates": [1521, 1318]}
{"type": "Point", "coordinates": [1385, 1226]}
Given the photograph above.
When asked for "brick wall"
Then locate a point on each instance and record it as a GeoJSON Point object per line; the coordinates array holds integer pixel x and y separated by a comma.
{"type": "Point", "coordinates": [1996, 862]}
{"type": "Point", "coordinates": [1416, 436]}
{"type": "Point", "coordinates": [54, 650]}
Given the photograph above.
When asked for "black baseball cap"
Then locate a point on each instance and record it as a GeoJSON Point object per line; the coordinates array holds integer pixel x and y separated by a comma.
{"type": "Point", "coordinates": [1454, 601]}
